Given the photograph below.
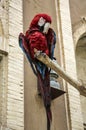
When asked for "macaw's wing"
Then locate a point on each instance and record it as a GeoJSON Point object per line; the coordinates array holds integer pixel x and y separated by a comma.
{"type": "Point", "coordinates": [51, 39]}
{"type": "Point", "coordinates": [53, 45]}
{"type": "Point", "coordinates": [23, 45]}
{"type": "Point", "coordinates": [38, 41]}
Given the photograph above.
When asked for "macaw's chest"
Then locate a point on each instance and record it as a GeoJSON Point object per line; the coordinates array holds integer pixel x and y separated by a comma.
{"type": "Point", "coordinates": [38, 40]}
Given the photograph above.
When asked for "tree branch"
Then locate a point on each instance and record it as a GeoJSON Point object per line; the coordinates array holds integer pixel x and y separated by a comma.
{"type": "Point", "coordinates": [49, 63]}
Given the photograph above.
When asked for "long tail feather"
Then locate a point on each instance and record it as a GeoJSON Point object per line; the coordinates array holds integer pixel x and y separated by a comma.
{"type": "Point", "coordinates": [49, 118]}
{"type": "Point", "coordinates": [44, 87]}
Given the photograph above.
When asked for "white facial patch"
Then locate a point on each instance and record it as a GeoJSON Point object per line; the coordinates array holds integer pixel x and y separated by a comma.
{"type": "Point", "coordinates": [46, 28]}
{"type": "Point", "coordinates": [41, 21]}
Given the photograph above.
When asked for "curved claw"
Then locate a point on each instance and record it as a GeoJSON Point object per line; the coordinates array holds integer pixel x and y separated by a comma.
{"type": "Point", "coordinates": [43, 54]}
{"type": "Point", "coordinates": [37, 53]}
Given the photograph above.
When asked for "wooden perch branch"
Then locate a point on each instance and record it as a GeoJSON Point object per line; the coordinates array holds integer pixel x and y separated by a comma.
{"type": "Point", "coordinates": [49, 63]}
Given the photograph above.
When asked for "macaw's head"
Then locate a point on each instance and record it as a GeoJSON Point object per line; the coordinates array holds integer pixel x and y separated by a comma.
{"type": "Point", "coordinates": [42, 22]}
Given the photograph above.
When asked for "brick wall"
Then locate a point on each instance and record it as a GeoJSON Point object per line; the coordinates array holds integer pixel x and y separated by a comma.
{"type": "Point", "coordinates": [12, 17]}
{"type": "Point", "coordinates": [3, 90]}
{"type": "Point", "coordinates": [79, 33]}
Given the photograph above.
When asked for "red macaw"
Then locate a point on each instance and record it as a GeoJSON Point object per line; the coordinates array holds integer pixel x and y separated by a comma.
{"type": "Point", "coordinates": [41, 37]}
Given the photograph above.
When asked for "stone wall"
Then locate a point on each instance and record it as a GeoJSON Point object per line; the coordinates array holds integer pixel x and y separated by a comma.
{"type": "Point", "coordinates": [74, 106]}
{"type": "Point", "coordinates": [3, 90]}
{"type": "Point", "coordinates": [11, 17]}
{"type": "Point", "coordinates": [80, 49]}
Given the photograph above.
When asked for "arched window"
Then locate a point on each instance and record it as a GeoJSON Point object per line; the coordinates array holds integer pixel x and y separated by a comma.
{"type": "Point", "coordinates": [81, 70]}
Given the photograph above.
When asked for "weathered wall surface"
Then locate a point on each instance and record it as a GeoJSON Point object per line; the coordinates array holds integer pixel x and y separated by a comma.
{"type": "Point", "coordinates": [3, 90]}
{"type": "Point", "coordinates": [11, 66]}
{"type": "Point", "coordinates": [78, 18]}
{"type": "Point", "coordinates": [15, 103]}
{"type": "Point", "coordinates": [70, 66]}
{"type": "Point", "coordinates": [78, 10]}
{"type": "Point", "coordinates": [81, 67]}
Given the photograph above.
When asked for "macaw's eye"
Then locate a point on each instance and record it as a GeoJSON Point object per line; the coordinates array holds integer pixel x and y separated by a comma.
{"type": "Point", "coordinates": [46, 28]}
{"type": "Point", "coordinates": [41, 21]}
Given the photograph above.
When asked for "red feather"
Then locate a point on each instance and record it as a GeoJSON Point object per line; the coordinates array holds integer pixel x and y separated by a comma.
{"type": "Point", "coordinates": [35, 20]}
{"type": "Point", "coordinates": [37, 40]}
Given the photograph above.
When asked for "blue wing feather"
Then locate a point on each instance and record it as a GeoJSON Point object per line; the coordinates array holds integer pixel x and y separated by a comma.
{"type": "Point", "coordinates": [53, 45]}
{"type": "Point", "coordinates": [27, 55]}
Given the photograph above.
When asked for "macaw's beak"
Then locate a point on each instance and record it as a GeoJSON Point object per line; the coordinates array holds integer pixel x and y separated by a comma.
{"type": "Point", "coordinates": [46, 28]}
